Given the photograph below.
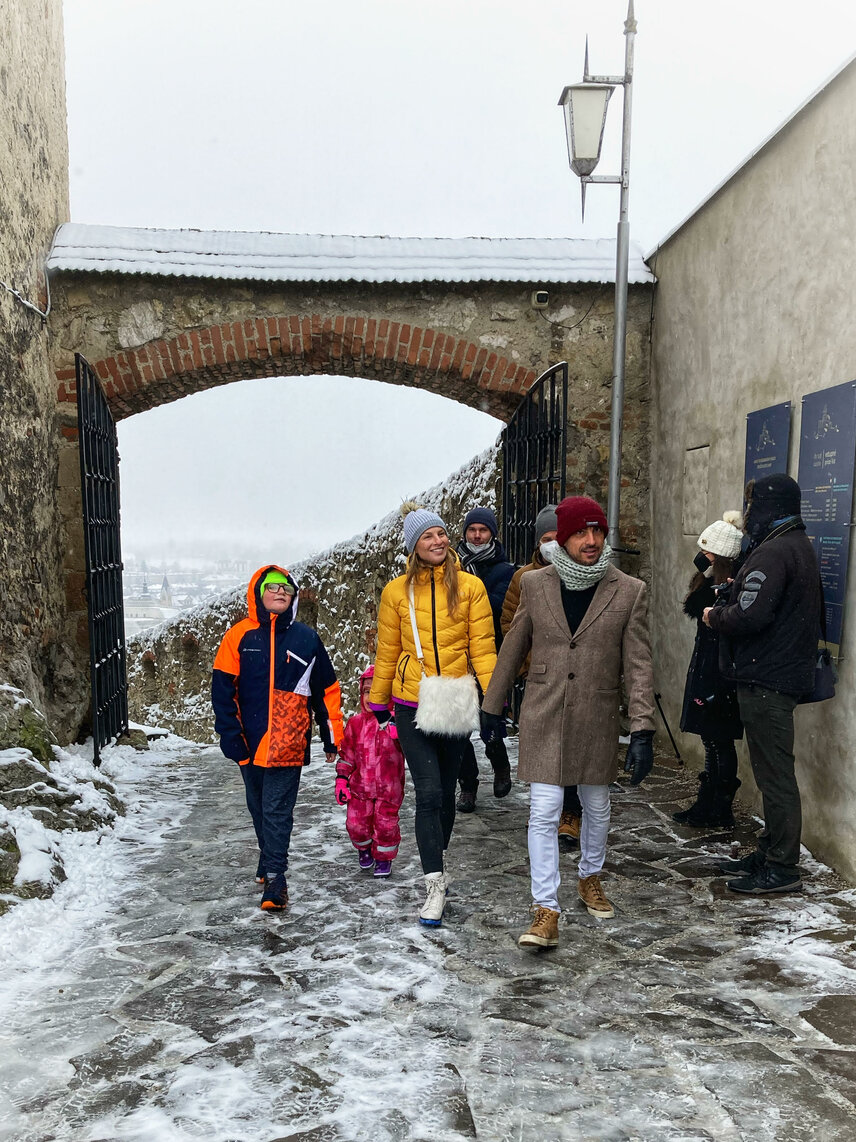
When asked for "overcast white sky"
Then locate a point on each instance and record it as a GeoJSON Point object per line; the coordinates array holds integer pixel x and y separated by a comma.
{"type": "Point", "coordinates": [388, 117]}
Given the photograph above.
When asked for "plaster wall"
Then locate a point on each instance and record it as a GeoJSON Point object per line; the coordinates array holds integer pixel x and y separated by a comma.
{"type": "Point", "coordinates": [35, 639]}
{"type": "Point", "coordinates": [753, 307]}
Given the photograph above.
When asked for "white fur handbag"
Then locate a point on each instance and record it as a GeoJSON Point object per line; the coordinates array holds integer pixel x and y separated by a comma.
{"type": "Point", "coordinates": [447, 706]}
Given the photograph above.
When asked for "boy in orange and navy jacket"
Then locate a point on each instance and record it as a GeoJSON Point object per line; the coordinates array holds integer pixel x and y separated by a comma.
{"type": "Point", "coordinates": [269, 673]}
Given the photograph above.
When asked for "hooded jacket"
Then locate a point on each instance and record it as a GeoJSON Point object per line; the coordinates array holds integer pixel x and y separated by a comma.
{"type": "Point", "coordinates": [370, 757]}
{"type": "Point", "coordinates": [770, 627]}
{"type": "Point", "coordinates": [450, 644]}
{"type": "Point", "coordinates": [269, 673]}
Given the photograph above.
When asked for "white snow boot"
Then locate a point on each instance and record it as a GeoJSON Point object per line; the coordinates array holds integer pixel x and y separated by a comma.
{"type": "Point", "coordinates": [435, 900]}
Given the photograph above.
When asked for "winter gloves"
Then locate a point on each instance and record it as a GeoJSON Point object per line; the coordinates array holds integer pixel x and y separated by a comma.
{"type": "Point", "coordinates": [640, 755]}
{"type": "Point", "coordinates": [492, 727]}
{"type": "Point", "coordinates": [343, 790]}
{"type": "Point", "coordinates": [383, 717]}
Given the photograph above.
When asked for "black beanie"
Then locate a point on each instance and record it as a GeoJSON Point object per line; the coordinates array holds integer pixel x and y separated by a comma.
{"type": "Point", "coordinates": [777, 493]}
{"type": "Point", "coordinates": [773, 497]}
{"type": "Point", "coordinates": [483, 516]}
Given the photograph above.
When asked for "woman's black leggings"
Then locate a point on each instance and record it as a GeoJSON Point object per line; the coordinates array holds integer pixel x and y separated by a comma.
{"type": "Point", "coordinates": [720, 760]}
{"type": "Point", "coordinates": [434, 762]}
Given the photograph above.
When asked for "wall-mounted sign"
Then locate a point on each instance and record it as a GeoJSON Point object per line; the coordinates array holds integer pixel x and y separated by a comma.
{"type": "Point", "coordinates": [827, 454]}
{"type": "Point", "coordinates": [768, 434]}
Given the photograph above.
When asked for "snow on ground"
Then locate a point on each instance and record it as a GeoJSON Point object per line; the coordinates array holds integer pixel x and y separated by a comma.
{"type": "Point", "coordinates": [151, 999]}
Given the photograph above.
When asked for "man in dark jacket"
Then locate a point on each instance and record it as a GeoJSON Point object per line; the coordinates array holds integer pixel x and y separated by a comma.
{"type": "Point", "coordinates": [482, 554]}
{"type": "Point", "coordinates": [769, 633]}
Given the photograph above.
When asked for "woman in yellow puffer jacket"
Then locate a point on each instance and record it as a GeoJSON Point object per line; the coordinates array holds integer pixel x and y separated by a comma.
{"type": "Point", "coordinates": [454, 625]}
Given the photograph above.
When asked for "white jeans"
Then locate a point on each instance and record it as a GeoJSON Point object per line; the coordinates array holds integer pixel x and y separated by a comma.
{"type": "Point", "coordinates": [544, 813]}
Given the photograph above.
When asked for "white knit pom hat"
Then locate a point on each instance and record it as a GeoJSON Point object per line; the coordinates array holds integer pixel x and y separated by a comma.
{"type": "Point", "coordinates": [724, 536]}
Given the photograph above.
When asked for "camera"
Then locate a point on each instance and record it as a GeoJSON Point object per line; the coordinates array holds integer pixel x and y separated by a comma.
{"type": "Point", "coordinates": [721, 591]}
{"type": "Point", "coordinates": [539, 298]}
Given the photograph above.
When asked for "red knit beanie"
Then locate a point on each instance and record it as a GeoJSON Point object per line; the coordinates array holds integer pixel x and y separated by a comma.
{"type": "Point", "coordinates": [575, 513]}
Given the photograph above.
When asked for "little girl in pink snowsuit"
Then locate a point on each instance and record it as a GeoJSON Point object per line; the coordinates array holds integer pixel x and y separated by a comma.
{"type": "Point", "coordinates": [370, 779]}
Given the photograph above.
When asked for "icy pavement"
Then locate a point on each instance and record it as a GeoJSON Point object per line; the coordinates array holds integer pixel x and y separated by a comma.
{"type": "Point", "coordinates": [151, 999]}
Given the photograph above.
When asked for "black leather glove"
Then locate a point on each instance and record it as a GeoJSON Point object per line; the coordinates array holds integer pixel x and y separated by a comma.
{"type": "Point", "coordinates": [492, 727]}
{"type": "Point", "coordinates": [640, 755]}
{"type": "Point", "coordinates": [383, 717]}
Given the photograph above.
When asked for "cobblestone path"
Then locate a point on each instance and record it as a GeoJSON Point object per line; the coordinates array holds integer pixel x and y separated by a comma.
{"type": "Point", "coordinates": [189, 1014]}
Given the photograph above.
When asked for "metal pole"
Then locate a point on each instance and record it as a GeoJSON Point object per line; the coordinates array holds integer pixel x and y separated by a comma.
{"type": "Point", "coordinates": [622, 248]}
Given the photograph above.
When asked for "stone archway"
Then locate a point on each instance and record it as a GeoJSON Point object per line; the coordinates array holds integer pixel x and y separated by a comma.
{"type": "Point", "coordinates": [165, 370]}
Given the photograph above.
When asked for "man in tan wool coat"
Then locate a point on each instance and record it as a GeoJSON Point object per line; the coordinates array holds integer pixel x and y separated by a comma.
{"type": "Point", "coordinates": [584, 623]}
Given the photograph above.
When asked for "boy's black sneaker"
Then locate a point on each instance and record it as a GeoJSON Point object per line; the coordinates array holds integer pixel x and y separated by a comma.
{"type": "Point", "coordinates": [275, 895]}
{"type": "Point", "coordinates": [745, 865]}
{"type": "Point", "coordinates": [770, 878]}
{"type": "Point", "coordinates": [260, 872]}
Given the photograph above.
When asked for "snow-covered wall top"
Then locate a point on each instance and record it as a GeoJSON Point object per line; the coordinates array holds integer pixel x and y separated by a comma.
{"type": "Point", "coordinates": [241, 256]}
{"type": "Point", "coordinates": [169, 667]}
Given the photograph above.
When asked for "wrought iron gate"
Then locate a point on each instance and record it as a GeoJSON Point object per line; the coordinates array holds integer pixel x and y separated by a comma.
{"type": "Point", "coordinates": [533, 453]}
{"type": "Point", "coordinates": [99, 482]}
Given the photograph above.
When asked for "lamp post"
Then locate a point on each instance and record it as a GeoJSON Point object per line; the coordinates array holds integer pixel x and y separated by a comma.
{"type": "Point", "coordinates": [585, 105]}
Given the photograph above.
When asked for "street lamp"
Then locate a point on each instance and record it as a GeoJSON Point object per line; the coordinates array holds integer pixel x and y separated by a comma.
{"type": "Point", "coordinates": [585, 107]}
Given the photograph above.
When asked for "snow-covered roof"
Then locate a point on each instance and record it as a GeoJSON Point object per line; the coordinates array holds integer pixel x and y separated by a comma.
{"type": "Point", "coordinates": [240, 256]}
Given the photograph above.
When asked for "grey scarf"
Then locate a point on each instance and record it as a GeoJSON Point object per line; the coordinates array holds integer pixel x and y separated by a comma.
{"type": "Point", "coordinates": [576, 576]}
{"type": "Point", "coordinates": [470, 558]}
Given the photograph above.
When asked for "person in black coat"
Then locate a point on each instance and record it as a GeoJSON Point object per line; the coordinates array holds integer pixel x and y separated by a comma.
{"type": "Point", "coordinates": [482, 554]}
{"type": "Point", "coordinates": [710, 703]}
{"type": "Point", "coordinates": [768, 635]}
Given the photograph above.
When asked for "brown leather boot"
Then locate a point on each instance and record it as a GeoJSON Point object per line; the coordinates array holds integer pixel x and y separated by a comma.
{"type": "Point", "coordinates": [544, 929]}
{"type": "Point", "coordinates": [569, 826]}
{"type": "Point", "coordinates": [594, 898]}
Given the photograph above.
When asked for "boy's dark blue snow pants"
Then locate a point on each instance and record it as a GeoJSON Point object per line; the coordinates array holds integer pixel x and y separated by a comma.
{"type": "Point", "coordinates": [271, 795]}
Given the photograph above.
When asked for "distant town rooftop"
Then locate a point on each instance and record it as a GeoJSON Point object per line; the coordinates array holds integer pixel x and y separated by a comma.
{"type": "Point", "coordinates": [242, 256]}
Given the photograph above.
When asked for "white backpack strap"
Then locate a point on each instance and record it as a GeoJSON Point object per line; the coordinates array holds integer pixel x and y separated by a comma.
{"type": "Point", "coordinates": [417, 642]}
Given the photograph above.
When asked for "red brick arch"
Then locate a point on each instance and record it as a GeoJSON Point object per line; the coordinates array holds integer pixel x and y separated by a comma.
{"type": "Point", "coordinates": [300, 345]}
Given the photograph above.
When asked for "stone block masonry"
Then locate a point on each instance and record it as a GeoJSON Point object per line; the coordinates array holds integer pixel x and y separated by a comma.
{"type": "Point", "coordinates": [37, 639]}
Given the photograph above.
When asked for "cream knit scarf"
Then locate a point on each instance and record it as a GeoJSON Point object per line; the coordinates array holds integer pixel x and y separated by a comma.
{"type": "Point", "coordinates": [576, 576]}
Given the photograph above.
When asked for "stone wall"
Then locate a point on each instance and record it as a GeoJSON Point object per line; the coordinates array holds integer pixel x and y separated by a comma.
{"type": "Point", "coordinates": [154, 339]}
{"type": "Point", "coordinates": [36, 642]}
{"type": "Point", "coordinates": [754, 307]}
{"type": "Point", "coordinates": [169, 669]}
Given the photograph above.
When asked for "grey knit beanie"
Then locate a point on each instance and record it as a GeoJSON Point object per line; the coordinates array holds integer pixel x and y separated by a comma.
{"type": "Point", "coordinates": [416, 521]}
{"type": "Point", "coordinates": [546, 520]}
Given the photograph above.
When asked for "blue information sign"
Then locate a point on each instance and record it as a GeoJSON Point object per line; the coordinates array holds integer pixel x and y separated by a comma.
{"type": "Point", "coordinates": [827, 455]}
{"type": "Point", "coordinates": [768, 434]}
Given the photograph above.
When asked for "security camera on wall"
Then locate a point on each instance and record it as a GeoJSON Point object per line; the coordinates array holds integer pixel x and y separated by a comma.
{"type": "Point", "coordinates": [539, 299]}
